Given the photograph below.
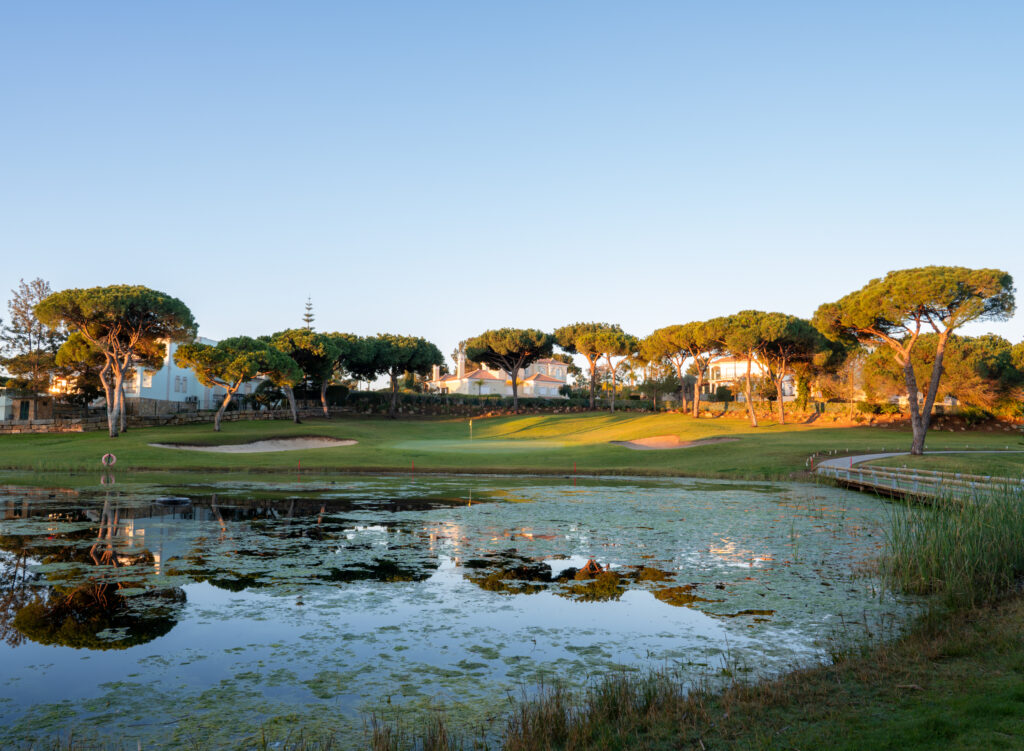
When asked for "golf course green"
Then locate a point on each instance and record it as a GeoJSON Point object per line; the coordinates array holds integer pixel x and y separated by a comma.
{"type": "Point", "coordinates": [589, 443]}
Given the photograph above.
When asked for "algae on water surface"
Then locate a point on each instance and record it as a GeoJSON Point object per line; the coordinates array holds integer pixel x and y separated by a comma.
{"type": "Point", "coordinates": [387, 595]}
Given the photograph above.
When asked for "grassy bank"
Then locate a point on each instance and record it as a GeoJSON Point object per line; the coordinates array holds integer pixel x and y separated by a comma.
{"type": "Point", "coordinates": [556, 444]}
{"type": "Point", "coordinates": [952, 685]}
{"type": "Point", "coordinates": [1005, 465]}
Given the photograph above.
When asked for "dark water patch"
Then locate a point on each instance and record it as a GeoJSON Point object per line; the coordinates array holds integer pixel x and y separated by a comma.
{"type": "Point", "coordinates": [710, 486]}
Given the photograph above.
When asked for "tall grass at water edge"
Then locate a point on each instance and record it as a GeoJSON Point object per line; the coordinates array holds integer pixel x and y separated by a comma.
{"type": "Point", "coordinates": [968, 552]}
{"type": "Point", "coordinates": [610, 713]}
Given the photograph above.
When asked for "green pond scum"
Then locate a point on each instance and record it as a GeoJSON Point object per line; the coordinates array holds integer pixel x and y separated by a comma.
{"type": "Point", "coordinates": [145, 612]}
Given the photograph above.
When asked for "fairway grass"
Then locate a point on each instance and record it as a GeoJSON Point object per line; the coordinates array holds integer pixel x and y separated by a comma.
{"type": "Point", "coordinates": [532, 444]}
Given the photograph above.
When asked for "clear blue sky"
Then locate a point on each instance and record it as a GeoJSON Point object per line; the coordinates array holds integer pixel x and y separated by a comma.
{"type": "Point", "coordinates": [441, 168]}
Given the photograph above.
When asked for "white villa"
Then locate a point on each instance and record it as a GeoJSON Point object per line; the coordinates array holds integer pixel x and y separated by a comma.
{"type": "Point", "coordinates": [147, 392]}
{"type": "Point", "coordinates": [172, 386]}
{"type": "Point", "coordinates": [727, 371]}
{"type": "Point", "coordinates": [542, 379]}
{"type": "Point", "coordinates": [169, 389]}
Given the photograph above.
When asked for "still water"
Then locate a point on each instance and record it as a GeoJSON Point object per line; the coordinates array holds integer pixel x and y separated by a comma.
{"type": "Point", "coordinates": [207, 610]}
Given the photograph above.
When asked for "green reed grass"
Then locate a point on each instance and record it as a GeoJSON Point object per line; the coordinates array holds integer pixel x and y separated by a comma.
{"type": "Point", "coordinates": [969, 552]}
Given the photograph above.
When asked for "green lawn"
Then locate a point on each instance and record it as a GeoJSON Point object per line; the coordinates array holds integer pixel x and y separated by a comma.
{"type": "Point", "coordinates": [525, 444]}
{"type": "Point", "coordinates": [1006, 465]}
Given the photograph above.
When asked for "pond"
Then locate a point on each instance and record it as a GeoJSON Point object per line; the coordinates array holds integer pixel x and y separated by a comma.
{"type": "Point", "coordinates": [156, 613]}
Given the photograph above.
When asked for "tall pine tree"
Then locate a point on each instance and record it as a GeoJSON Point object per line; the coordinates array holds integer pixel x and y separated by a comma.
{"type": "Point", "coordinates": [307, 317]}
{"type": "Point", "coordinates": [29, 347]}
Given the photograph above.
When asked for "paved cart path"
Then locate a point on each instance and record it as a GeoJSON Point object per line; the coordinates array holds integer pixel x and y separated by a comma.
{"type": "Point", "coordinates": [842, 462]}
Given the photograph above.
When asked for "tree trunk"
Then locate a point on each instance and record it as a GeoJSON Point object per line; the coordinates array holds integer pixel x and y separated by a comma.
{"type": "Point", "coordinates": [115, 416]}
{"type": "Point", "coordinates": [122, 410]}
{"type": "Point", "coordinates": [393, 409]}
{"type": "Point", "coordinates": [747, 395]}
{"type": "Point", "coordinates": [220, 412]}
{"type": "Point", "coordinates": [682, 386]}
{"type": "Point", "coordinates": [698, 386]}
{"type": "Point", "coordinates": [778, 390]}
{"type": "Point", "coordinates": [106, 377]}
{"type": "Point", "coordinates": [933, 384]}
{"type": "Point", "coordinates": [323, 399]}
{"type": "Point", "coordinates": [515, 390]}
{"type": "Point", "coordinates": [593, 382]}
{"type": "Point", "coordinates": [920, 418]}
{"type": "Point", "coordinates": [778, 397]}
{"type": "Point", "coordinates": [610, 368]}
{"type": "Point", "coordinates": [916, 424]}
{"type": "Point", "coordinates": [290, 393]}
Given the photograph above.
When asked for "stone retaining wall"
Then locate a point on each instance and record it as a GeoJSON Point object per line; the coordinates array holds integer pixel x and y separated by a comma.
{"type": "Point", "coordinates": [79, 425]}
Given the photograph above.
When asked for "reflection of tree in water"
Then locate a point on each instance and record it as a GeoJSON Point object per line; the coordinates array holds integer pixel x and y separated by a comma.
{"type": "Point", "coordinates": [607, 585]}
{"type": "Point", "coordinates": [76, 617]}
{"type": "Point", "coordinates": [382, 570]}
{"type": "Point", "coordinates": [16, 587]}
{"type": "Point", "coordinates": [513, 574]}
{"type": "Point", "coordinates": [510, 573]}
{"type": "Point", "coordinates": [93, 613]}
{"type": "Point", "coordinates": [256, 546]}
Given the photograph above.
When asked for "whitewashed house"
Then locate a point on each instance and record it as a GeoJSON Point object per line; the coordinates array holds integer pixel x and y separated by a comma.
{"type": "Point", "coordinates": [730, 371]}
{"type": "Point", "coordinates": [173, 388]}
{"type": "Point", "coordinates": [542, 379]}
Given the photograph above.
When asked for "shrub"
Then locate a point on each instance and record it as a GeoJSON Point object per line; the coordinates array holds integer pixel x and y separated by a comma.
{"type": "Point", "coordinates": [974, 415]}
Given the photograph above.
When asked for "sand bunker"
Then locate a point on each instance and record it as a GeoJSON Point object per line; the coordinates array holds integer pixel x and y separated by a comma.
{"type": "Point", "coordinates": [256, 447]}
{"type": "Point", "coordinates": [658, 442]}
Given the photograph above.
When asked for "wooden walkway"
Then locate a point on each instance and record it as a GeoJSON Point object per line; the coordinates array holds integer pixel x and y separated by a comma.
{"type": "Point", "coordinates": [907, 482]}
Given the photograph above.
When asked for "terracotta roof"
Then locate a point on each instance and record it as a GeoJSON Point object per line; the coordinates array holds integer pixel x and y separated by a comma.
{"type": "Point", "coordinates": [549, 361]}
{"type": "Point", "coordinates": [481, 374]}
{"type": "Point", "coordinates": [542, 377]}
{"type": "Point", "coordinates": [731, 358]}
{"type": "Point", "coordinates": [448, 377]}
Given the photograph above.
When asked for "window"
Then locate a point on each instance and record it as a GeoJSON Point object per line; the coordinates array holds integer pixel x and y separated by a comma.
{"type": "Point", "coordinates": [184, 384]}
{"type": "Point", "coordinates": [177, 384]}
{"type": "Point", "coordinates": [147, 379]}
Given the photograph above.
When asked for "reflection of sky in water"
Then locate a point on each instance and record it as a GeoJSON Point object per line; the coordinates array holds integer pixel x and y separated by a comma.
{"type": "Point", "coordinates": [375, 593]}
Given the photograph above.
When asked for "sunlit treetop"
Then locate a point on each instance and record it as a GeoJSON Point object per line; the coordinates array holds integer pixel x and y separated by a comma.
{"type": "Point", "coordinates": [904, 302]}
